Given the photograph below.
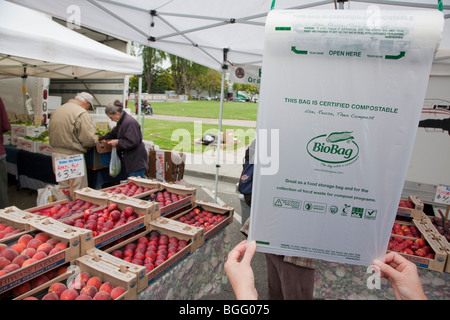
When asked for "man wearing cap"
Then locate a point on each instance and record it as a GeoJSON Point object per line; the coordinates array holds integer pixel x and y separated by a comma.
{"type": "Point", "coordinates": [72, 131]}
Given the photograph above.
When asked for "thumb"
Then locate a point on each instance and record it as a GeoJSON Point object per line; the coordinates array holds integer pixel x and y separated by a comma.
{"type": "Point", "coordinates": [249, 252]}
{"type": "Point", "coordinates": [385, 268]}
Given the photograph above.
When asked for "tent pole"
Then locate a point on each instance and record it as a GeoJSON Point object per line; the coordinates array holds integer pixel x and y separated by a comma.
{"type": "Point", "coordinates": [141, 120]}
{"type": "Point", "coordinates": [219, 141]}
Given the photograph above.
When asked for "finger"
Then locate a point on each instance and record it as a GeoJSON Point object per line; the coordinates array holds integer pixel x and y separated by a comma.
{"type": "Point", "coordinates": [385, 268]}
{"type": "Point", "coordinates": [249, 252]}
{"type": "Point", "coordinates": [236, 253]}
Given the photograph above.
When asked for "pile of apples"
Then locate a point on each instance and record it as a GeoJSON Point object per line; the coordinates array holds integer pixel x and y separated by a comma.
{"type": "Point", "coordinates": [151, 251]}
{"type": "Point", "coordinates": [62, 211]}
{"type": "Point", "coordinates": [165, 198]}
{"type": "Point", "coordinates": [7, 231]}
{"type": "Point", "coordinates": [103, 220]}
{"type": "Point", "coordinates": [406, 204]}
{"type": "Point", "coordinates": [129, 189]}
{"type": "Point", "coordinates": [27, 250]}
{"type": "Point", "coordinates": [202, 218]}
{"type": "Point", "coordinates": [404, 230]}
{"type": "Point", "coordinates": [417, 247]}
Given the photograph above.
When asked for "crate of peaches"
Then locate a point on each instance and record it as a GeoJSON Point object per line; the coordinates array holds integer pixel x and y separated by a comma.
{"type": "Point", "coordinates": [153, 251]}
{"type": "Point", "coordinates": [14, 222]}
{"type": "Point", "coordinates": [211, 217]}
{"type": "Point", "coordinates": [411, 207]}
{"type": "Point", "coordinates": [135, 187]}
{"type": "Point", "coordinates": [411, 240]}
{"type": "Point", "coordinates": [172, 198]}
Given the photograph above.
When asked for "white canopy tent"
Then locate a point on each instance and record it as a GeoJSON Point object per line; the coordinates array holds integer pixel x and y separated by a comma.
{"type": "Point", "coordinates": [214, 33]}
{"type": "Point", "coordinates": [32, 44]}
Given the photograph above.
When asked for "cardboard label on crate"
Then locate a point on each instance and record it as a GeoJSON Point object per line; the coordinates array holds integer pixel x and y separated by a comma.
{"type": "Point", "coordinates": [69, 167]}
{"type": "Point", "coordinates": [332, 147]}
{"type": "Point", "coordinates": [117, 233]}
{"type": "Point", "coordinates": [15, 278]}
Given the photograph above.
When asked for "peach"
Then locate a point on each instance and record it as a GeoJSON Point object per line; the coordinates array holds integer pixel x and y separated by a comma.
{"type": "Point", "coordinates": [19, 247]}
{"type": "Point", "coordinates": [3, 247]}
{"type": "Point", "coordinates": [30, 298]}
{"type": "Point", "coordinates": [29, 252]}
{"type": "Point", "coordinates": [94, 281]}
{"type": "Point", "coordinates": [34, 243]}
{"type": "Point", "coordinates": [52, 242]}
{"type": "Point", "coordinates": [61, 245]}
{"type": "Point", "coordinates": [61, 270]}
{"type": "Point", "coordinates": [89, 291]}
{"type": "Point", "coordinates": [54, 250]}
{"type": "Point", "coordinates": [69, 294]}
{"type": "Point", "coordinates": [21, 289]}
{"type": "Point", "coordinates": [20, 259]}
{"type": "Point", "coordinates": [39, 281]}
{"type": "Point", "coordinates": [42, 236]}
{"type": "Point", "coordinates": [84, 297]}
{"type": "Point", "coordinates": [57, 288]}
{"type": "Point", "coordinates": [102, 295]}
{"type": "Point", "coordinates": [9, 254]}
{"type": "Point", "coordinates": [39, 255]}
{"type": "Point", "coordinates": [84, 276]}
{"type": "Point", "coordinates": [45, 247]}
{"type": "Point", "coordinates": [2, 273]}
{"type": "Point", "coordinates": [25, 239]}
{"type": "Point", "coordinates": [4, 262]}
{"type": "Point", "coordinates": [106, 287]}
{"type": "Point", "coordinates": [11, 267]}
{"type": "Point", "coordinates": [50, 296]}
{"type": "Point", "coordinates": [28, 262]}
{"type": "Point", "coordinates": [117, 292]}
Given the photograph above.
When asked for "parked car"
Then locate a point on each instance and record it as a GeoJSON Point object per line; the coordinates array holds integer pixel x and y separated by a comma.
{"type": "Point", "coordinates": [238, 100]}
{"type": "Point", "coordinates": [205, 98]}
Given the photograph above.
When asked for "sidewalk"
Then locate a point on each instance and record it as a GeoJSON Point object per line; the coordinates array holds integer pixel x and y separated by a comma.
{"type": "Point", "coordinates": [204, 165]}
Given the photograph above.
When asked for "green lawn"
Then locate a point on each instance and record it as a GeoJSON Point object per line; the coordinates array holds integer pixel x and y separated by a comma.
{"type": "Point", "coordinates": [205, 109]}
{"type": "Point", "coordinates": [182, 136]}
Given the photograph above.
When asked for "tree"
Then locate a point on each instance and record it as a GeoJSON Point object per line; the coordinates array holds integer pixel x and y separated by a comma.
{"type": "Point", "coordinates": [151, 57]}
{"type": "Point", "coordinates": [206, 80]}
{"type": "Point", "coordinates": [249, 89]}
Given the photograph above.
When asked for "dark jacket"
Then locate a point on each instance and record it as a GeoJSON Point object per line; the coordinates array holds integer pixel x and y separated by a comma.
{"type": "Point", "coordinates": [4, 125]}
{"type": "Point", "coordinates": [128, 132]}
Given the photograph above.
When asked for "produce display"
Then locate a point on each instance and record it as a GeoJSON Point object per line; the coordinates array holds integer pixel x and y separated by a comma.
{"type": "Point", "coordinates": [150, 251]}
{"type": "Point", "coordinates": [27, 250]}
{"type": "Point", "coordinates": [202, 218]}
{"type": "Point", "coordinates": [103, 220]}
{"type": "Point", "coordinates": [129, 189]}
{"type": "Point", "coordinates": [403, 244]}
{"type": "Point", "coordinates": [442, 227]}
{"type": "Point", "coordinates": [61, 211]}
{"type": "Point", "coordinates": [165, 198]}
{"type": "Point", "coordinates": [7, 231]}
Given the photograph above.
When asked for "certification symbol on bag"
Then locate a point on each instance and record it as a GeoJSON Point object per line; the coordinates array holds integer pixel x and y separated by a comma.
{"type": "Point", "coordinates": [370, 214]}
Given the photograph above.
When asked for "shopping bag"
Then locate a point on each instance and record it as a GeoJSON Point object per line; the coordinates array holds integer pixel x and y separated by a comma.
{"type": "Point", "coordinates": [115, 164]}
{"type": "Point", "coordinates": [46, 195]}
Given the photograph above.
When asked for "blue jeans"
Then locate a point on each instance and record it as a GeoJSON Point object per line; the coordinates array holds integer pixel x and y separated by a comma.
{"type": "Point", "coordinates": [138, 173]}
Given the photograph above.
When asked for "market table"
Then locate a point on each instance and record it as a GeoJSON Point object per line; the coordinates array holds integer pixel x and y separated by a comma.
{"type": "Point", "coordinates": [199, 274]}
{"type": "Point", "coordinates": [336, 281]}
{"type": "Point", "coordinates": [34, 170]}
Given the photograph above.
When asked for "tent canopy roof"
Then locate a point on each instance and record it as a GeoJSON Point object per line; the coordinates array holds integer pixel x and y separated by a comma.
{"type": "Point", "coordinates": [200, 30]}
{"type": "Point", "coordinates": [34, 45]}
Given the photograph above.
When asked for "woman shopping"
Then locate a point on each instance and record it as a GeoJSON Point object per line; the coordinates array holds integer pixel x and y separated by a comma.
{"type": "Point", "coordinates": [127, 138]}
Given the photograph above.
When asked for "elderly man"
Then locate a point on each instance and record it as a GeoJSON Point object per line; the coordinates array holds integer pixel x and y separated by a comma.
{"type": "Point", "coordinates": [72, 131]}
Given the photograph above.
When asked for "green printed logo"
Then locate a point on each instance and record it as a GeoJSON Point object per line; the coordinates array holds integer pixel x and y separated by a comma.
{"type": "Point", "coordinates": [333, 148]}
